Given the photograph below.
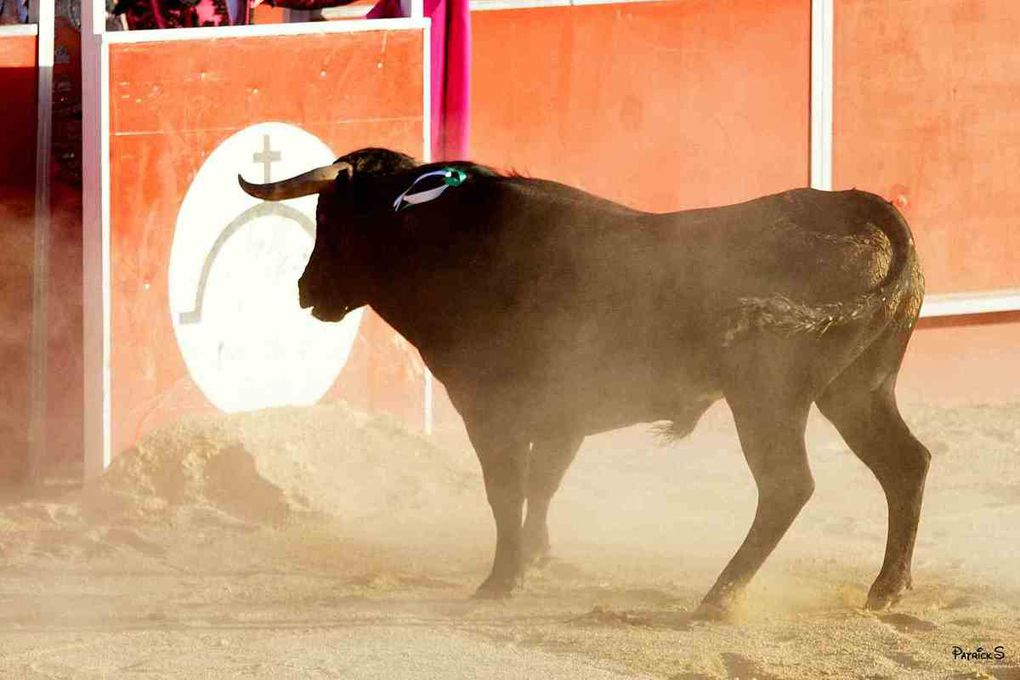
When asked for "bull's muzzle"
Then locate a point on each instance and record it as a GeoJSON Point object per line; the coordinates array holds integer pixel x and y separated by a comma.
{"type": "Point", "coordinates": [310, 296]}
{"type": "Point", "coordinates": [304, 293]}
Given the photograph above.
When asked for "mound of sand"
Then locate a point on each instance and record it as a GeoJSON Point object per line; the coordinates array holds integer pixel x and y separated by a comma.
{"type": "Point", "coordinates": [268, 466]}
{"type": "Point", "coordinates": [325, 466]}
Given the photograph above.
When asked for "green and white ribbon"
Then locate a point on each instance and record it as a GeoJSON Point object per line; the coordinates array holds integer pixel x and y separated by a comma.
{"type": "Point", "coordinates": [452, 177]}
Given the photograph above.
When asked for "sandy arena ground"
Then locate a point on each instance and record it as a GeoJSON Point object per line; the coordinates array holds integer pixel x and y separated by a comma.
{"type": "Point", "coordinates": [322, 543]}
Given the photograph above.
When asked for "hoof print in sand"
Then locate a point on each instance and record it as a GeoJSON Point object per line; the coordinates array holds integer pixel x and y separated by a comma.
{"type": "Point", "coordinates": [738, 666]}
{"type": "Point", "coordinates": [905, 623]}
{"type": "Point", "coordinates": [650, 619]}
{"type": "Point", "coordinates": [907, 661]}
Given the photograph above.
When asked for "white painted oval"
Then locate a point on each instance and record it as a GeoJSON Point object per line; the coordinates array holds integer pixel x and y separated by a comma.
{"type": "Point", "coordinates": [248, 344]}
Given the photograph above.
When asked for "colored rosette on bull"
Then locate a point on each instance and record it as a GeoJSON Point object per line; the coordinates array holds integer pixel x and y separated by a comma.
{"type": "Point", "coordinates": [429, 186]}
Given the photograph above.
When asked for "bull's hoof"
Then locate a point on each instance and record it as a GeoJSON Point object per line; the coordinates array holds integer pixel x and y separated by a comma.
{"type": "Point", "coordinates": [495, 589]}
{"type": "Point", "coordinates": [885, 594]}
{"type": "Point", "coordinates": [877, 601]}
{"type": "Point", "coordinates": [716, 611]}
{"type": "Point", "coordinates": [722, 603]}
{"type": "Point", "coordinates": [537, 559]}
{"type": "Point", "coordinates": [535, 548]}
{"type": "Point", "coordinates": [541, 561]}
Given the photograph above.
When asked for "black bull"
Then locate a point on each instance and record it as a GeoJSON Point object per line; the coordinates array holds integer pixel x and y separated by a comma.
{"type": "Point", "coordinates": [550, 314]}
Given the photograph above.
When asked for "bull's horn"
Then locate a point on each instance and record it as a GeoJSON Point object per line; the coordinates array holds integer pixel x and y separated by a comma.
{"type": "Point", "coordinates": [306, 184]}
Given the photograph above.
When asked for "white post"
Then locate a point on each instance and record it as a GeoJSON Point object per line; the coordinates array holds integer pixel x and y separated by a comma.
{"type": "Point", "coordinates": [958, 304]}
{"type": "Point", "coordinates": [95, 266]}
{"type": "Point", "coordinates": [822, 37]}
{"type": "Point", "coordinates": [42, 14]}
{"type": "Point", "coordinates": [418, 12]}
{"type": "Point", "coordinates": [427, 411]}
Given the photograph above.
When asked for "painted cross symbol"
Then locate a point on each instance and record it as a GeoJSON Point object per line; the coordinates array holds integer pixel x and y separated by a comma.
{"type": "Point", "coordinates": [266, 157]}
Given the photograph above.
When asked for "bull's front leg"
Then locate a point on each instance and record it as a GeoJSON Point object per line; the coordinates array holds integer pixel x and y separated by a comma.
{"type": "Point", "coordinates": [504, 460]}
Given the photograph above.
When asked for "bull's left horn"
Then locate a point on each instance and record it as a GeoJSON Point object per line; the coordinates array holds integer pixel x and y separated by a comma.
{"type": "Point", "coordinates": [306, 184]}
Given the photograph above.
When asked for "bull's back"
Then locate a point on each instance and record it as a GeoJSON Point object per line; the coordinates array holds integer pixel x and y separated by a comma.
{"type": "Point", "coordinates": [589, 297]}
{"type": "Point", "coordinates": [810, 246]}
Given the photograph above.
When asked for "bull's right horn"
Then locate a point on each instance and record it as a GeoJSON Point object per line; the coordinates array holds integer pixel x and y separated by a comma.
{"type": "Point", "coordinates": [306, 184]}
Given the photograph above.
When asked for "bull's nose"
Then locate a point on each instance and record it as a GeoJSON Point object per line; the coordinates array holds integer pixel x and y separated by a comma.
{"type": "Point", "coordinates": [303, 296]}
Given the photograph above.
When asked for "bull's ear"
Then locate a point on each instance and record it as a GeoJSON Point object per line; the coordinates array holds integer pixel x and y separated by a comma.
{"type": "Point", "coordinates": [305, 184]}
{"type": "Point", "coordinates": [346, 170]}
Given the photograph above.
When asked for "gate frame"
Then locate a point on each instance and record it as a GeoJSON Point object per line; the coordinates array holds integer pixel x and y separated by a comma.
{"type": "Point", "coordinates": [96, 342]}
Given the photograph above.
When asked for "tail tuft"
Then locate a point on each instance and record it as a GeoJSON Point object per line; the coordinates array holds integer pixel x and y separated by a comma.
{"type": "Point", "coordinates": [672, 431]}
{"type": "Point", "coordinates": [789, 317]}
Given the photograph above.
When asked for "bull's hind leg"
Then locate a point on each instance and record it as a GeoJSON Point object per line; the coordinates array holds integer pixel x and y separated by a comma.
{"type": "Point", "coordinates": [862, 405]}
{"type": "Point", "coordinates": [550, 458]}
{"type": "Point", "coordinates": [771, 433]}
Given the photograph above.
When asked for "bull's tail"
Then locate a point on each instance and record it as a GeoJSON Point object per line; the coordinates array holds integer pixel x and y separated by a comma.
{"type": "Point", "coordinates": [779, 312]}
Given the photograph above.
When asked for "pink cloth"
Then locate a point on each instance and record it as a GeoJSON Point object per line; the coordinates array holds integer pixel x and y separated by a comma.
{"type": "Point", "coordinates": [451, 64]}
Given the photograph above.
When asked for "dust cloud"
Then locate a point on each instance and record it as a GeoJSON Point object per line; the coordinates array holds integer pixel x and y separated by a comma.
{"type": "Point", "coordinates": [64, 328]}
{"type": "Point", "coordinates": [16, 247]}
{"type": "Point", "coordinates": [324, 542]}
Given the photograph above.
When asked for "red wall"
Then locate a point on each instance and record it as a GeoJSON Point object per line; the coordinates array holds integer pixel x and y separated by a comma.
{"type": "Point", "coordinates": [659, 105]}
{"type": "Point", "coordinates": [18, 112]}
{"type": "Point", "coordinates": [925, 114]}
{"type": "Point", "coordinates": [166, 121]}
{"type": "Point", "coordinates": [17, 200]}
{"type": "Point", "coordinates": [926, 101]}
